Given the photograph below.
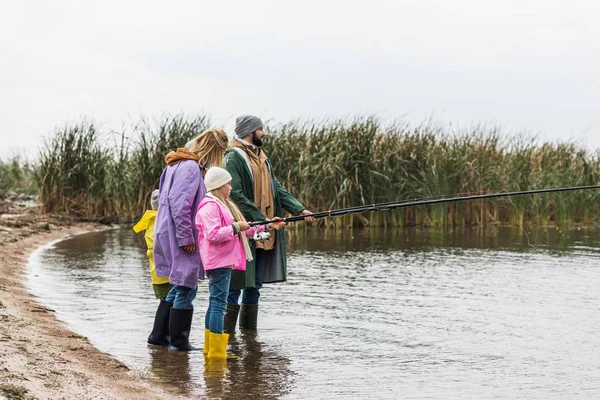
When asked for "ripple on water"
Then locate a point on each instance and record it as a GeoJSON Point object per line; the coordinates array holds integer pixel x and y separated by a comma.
{"type": "Point", "coordinates": [395, 315]}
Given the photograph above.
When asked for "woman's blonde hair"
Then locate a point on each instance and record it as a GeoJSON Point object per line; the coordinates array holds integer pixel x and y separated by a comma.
{"type": "Point", "coordinates": [210, 146]}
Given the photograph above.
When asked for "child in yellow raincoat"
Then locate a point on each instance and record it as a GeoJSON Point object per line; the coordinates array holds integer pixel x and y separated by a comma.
{"type": "Point", "coordinates": [161, 285]}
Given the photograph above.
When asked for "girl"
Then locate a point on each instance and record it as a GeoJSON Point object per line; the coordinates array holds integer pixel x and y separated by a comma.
{"type": "Point", "coordinates": [223, 240]}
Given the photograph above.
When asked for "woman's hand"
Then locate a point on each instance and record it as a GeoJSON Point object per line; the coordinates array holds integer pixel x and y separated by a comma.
{"type": "Point", "coordinates": [189, 248]}
{"type": "Point", "coordinates": [244, 226]}
{"type": "Point", "coordinates": [277, 223]}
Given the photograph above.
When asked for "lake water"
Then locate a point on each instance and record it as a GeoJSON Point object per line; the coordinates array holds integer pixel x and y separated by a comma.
{"type": "Point", "coordinates": [408, 314]}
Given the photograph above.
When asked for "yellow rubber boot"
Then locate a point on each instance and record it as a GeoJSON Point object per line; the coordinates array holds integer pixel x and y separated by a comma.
{"type": "Point", "coordinates": [218, 346]}
{"type": "Point", "coordinates": [206, 341]}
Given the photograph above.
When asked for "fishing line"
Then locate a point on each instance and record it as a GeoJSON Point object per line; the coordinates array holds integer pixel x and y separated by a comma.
{"type": "Point", "coordinates": [519, 224]}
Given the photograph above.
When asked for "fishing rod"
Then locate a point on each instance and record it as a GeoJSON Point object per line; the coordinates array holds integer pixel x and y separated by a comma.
{"type": "Point", "coordinates": [411, 203]}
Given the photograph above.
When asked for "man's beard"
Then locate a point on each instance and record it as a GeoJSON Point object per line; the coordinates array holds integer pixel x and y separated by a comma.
{"type": "Point", "coordinates": [256, 141]}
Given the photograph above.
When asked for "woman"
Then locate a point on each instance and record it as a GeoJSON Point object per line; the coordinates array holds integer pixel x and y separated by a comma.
{"type": "Point", "coordinates": [223, 240]}
{"type": "Point", "coordinates": [181, 189]}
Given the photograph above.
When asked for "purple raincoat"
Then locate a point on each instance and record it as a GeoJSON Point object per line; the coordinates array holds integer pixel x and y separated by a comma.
{"type": "Point", "coordinates": [181, 189]}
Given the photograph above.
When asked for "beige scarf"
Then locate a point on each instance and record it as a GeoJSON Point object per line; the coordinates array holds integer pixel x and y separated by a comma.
{"type": "Point", "coordinates": [263, 192]}
{"type": "Point", "coordinates": [237, 216]}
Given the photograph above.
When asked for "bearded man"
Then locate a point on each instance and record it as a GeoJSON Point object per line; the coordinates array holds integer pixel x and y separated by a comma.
{"type": "Point", "coordinates": [259, 196]}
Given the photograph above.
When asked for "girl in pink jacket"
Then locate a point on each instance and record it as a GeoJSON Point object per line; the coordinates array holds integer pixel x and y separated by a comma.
{"type": "Point", "coordinates": [223, 243]}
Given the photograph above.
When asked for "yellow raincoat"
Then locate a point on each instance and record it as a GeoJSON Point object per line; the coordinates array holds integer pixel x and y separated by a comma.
{"type": "Point", "coordinates": [147, 224]}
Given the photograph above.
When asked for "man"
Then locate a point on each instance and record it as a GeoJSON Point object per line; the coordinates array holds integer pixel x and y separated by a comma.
{"type": "Point", "coordinates": [259, 196]}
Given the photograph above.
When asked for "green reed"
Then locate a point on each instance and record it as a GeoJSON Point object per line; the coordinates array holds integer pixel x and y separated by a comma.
{"type": "Point", "coordinates": [152, 141]}
{"type": "Point", "coordinates": [72, 172]}
{"type": "Point", "coordinates": [109, 175]}
{"type": "Point", "coordinates": [17, 175]}
{"type": "Point", "coordinates": [328, 164]}
{"type": "Point", "coordinates": [340, 163]}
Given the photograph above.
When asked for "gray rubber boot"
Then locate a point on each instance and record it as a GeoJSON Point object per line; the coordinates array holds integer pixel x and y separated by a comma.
{"type": "Point", "coordinates": [180, 323]}
{"type": "Point", "coordinates": [231, 317]}
{"type": "Point", "coordinates": [248, 316]}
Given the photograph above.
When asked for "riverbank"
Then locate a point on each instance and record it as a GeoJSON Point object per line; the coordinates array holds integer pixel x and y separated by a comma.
{"type": "Point", "coordinates": [39, 357]}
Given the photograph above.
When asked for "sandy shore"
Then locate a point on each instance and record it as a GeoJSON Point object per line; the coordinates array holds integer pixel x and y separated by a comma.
{"type": "Point", "coordinates": [39, 357]}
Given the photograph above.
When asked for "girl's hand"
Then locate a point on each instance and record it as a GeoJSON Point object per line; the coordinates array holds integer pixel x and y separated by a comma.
{"type": "Point", "coordinates": [277, 223]}
{"type": "Point", "coordinates": [244, 226]}
{"type": "Point", "coordinates": [189, 248]}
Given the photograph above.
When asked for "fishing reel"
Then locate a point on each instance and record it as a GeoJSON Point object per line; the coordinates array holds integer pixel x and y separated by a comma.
{"type": "Point", "coordinates": [258, 236]}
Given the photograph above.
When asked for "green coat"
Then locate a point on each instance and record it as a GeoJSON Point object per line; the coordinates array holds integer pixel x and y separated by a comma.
{"type": "Point", "coordinates": [242, 194]}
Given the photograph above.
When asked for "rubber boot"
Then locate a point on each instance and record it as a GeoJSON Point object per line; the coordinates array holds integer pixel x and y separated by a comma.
{"type": "Point", "coordinates": [218, 347]}
{"type": "Point", "coordinates": [180, 323]}
{"type": "Point", "coordinates": [231, 316]}
{"type": "Point", "coordinates": [206, 341]}
{"type": "Point", "coordinates": [248, 316]}
{"type": "Point", "coordinates": [160, 332]}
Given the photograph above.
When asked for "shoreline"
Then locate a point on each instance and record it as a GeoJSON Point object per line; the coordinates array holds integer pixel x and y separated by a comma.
{"type": "Point", "coordinates": [39, 357]}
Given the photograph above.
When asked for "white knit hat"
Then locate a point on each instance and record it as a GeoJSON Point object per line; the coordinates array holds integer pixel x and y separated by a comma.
{"type": "Point", "coordinates": [215, 178]}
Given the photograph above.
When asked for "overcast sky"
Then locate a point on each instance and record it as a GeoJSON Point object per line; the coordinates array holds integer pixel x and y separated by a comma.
{"type": "Point", "coordinates": [523, 65]}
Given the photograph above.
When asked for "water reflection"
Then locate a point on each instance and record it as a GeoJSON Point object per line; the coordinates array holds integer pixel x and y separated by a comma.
{"type": "Point", "coordinates": [474, 313]}
{"type": "Point", "coordinates": [420, 239]}
{"type": "Point", "coordinates": [260, 372]}
{"type": "Point", "coordinates": [171, 370]}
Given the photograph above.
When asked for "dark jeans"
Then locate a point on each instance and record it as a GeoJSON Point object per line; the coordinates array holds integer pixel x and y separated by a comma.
{"type": "Point", "coordinates": [218, 287]}
{"type": "Point", "coordinates": [181, 297]}
{"type": "Point", "coordinates": [251, 295]}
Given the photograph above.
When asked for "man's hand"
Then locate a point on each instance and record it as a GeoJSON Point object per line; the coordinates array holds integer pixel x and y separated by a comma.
{"type": "Point", "coordinates": [307, 219]}
{"type": "Point", "coordinates": [189, 248]}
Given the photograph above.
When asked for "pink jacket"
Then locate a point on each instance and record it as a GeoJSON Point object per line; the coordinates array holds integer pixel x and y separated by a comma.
{"type": "Point", "coordinates": [219, 247]}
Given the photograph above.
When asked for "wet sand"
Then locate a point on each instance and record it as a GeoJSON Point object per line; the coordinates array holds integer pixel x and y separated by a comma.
{"type": "Point", "coordinates": [39, 357]}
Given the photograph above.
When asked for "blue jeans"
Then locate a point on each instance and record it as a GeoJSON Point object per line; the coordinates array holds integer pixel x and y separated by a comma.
{"type": "Point", "coordinates": [252, 294]}
{"type": "Point", "coordinates": [181, 297]}
{"type": "Point", "coordinates": [218, 287]}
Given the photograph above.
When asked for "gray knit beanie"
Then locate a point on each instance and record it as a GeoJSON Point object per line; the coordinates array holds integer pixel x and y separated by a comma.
{"type": "Point", "coordinates": [246, 124]}
{"type": "Point", "coordinates": [215, 178]}
{"type": "Point", "coordinates": [154, 200]}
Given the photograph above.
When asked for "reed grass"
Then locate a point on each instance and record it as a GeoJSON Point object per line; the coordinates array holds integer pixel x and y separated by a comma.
{"type": "Point", "coordinates": [109, 176]}
{"type": "Point", "coordinates": [73, 170]}
{"type": "Point", "coordinates": [335, 164]}
{"type": "Point", "coordinates": [17, 174]}
{"type": "Point", "coordinates": [331, 164]}
{"type": "Point", "coordinates": [152, 141]}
